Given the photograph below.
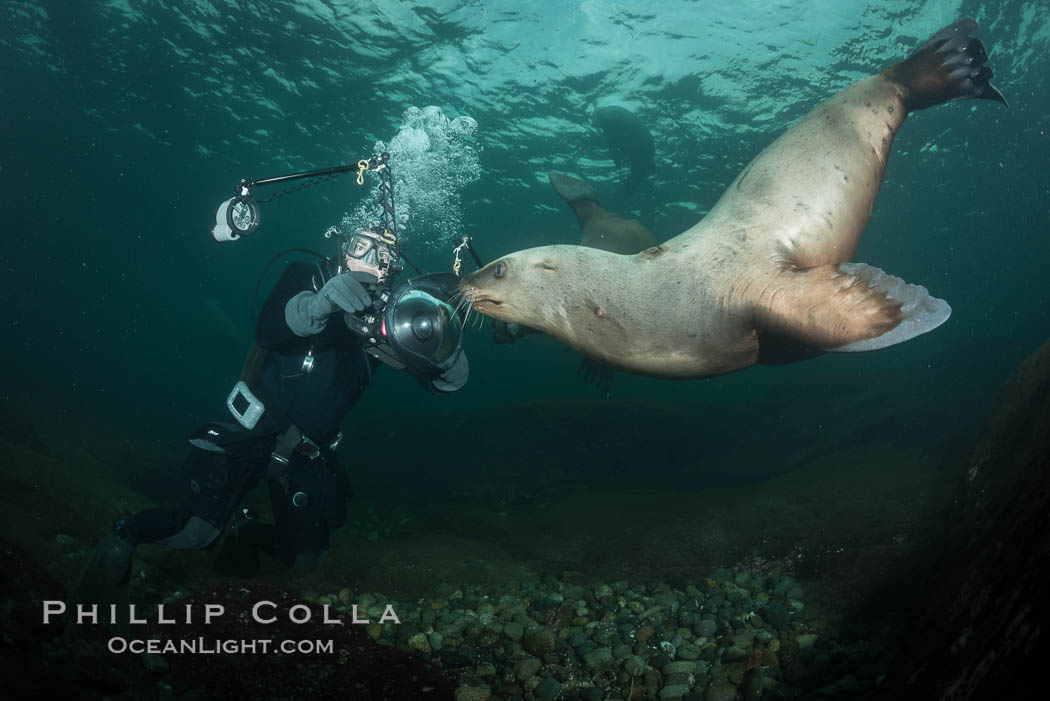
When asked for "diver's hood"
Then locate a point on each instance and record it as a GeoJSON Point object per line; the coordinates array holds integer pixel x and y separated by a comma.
{"type": "Point", "coordinates": [421, 324]}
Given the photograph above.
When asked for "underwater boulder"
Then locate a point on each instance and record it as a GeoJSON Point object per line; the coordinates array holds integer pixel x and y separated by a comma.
{"type": "Point", "coordinates": [980, 630]}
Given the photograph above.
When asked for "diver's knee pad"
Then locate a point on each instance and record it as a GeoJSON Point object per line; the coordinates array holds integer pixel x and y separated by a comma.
{"type": "Point", "coordinates": [196, 534]}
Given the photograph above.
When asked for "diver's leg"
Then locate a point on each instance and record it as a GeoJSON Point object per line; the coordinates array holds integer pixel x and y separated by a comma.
{"type": "Point", "coordinates": [238, 554]}
{"type": "Point", "coordinates": [312, 505]}
{"type": "Point", "coordinates": [218, 481]}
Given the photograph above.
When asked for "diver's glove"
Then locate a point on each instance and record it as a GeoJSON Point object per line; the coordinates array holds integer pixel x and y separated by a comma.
{"type": "Point", "coordinates": [307, 312]}
{"type": "Point", "coordinates": [455, 377]}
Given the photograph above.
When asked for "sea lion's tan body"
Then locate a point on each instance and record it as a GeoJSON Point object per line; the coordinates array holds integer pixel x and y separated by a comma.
{"type": "Point", "coordinates": [762, 267]}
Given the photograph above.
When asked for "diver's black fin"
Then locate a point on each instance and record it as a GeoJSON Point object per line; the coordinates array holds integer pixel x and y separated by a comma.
{"type": "Point", "coordinates": [104, 581]}
{"type": "Point", "coordinates": [572, 189]}
{"type": "Point", "coordinates": [950, 65]}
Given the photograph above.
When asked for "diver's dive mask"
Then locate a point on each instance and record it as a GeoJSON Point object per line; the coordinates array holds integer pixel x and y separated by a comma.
{"type": "Point", "coordinates": [374, 248]}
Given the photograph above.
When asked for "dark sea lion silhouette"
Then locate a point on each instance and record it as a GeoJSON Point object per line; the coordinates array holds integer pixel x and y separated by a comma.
{"type": "Point", "coordinates": [630, 143]}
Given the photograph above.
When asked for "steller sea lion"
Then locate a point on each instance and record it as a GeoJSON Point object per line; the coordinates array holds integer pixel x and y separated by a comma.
{"type": "Point", "coordinates": [630, 143]}
{"type": "Point", "coordinates": [764, 277]}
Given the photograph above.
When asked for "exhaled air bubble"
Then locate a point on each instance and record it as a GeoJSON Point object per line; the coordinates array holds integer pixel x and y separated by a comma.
{"type": "Point", "coordinates": [432, 158]}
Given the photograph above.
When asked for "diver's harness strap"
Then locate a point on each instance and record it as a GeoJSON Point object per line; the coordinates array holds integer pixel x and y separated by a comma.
{"type": "Point", "coordinates": [289, 441]}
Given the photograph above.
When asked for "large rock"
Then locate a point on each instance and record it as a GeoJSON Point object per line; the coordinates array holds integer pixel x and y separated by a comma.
{"type": "Point", "coordinates": [538, 641]}
{"type": "Point", "coordinates": [981, 630]}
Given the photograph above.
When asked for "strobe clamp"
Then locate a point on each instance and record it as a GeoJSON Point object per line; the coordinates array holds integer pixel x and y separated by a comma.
{"type": "Point", "coordinates": [464, 243]}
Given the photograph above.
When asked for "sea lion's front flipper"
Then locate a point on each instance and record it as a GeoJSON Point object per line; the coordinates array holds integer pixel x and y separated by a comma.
{"type": "Point", "coordinates": [950, 65]}
{"type": "Point", "coordinates": [846, 308]}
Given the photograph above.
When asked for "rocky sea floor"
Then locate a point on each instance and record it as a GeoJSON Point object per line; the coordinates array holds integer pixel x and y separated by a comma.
{"type": "Point", "coordinates": [794, 588]}
{"type": "Point", "coordinates": [734, 635]}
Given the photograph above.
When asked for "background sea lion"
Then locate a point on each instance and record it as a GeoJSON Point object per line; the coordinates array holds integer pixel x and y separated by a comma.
{"type": "Point", "coordinates": [764, 275]}
{"type": "Point", "coordinates": [601, 230]}
{"type": "Point", "coordinates": [630, 143]}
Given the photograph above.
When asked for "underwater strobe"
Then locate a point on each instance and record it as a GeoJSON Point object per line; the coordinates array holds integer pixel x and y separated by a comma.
{"type": "Point", "coordinates": [239, 215]}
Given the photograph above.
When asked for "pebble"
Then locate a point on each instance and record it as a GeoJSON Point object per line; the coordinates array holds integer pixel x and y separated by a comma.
{"type": "Point", "coordinates": [658, 660]}
{"type": "Point", "coordinates": [598, 657]}
{"type": "Point", "coordinates": [679, 667]}
{"type": "Point", "coordinates": [514, 631]}
{"type": "Point", "coordinates": [419, 642]}
{"type": "Point", "coordinates": [472, 693]}
{"type": "Point", "coordinates": [674, 691]}
{"type": "Point", "coordinates": [744, 641]}
{"type": "Point", "coordinates": [705, 628]}
{"type": "Point", "coordinates": [634, 665]}
{"type": "Point", "coordinates": [719, 691]}
{"type": "Point", "coordinates": [547, 689]}
{"type": "Point", "coordinates": [733, 654]}
{"type": "Point", "coordinates": [688, 651]}
{"type": "Point", "coordinates": [509, 690]}
{"type": "Point", "coordinates": [527, 668]}
{"type": "Point", "coordinates": [538, 642]}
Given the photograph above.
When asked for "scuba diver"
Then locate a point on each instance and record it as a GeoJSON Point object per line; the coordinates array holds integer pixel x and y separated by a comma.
{"type": "Point", "coordinates": [321, 335]}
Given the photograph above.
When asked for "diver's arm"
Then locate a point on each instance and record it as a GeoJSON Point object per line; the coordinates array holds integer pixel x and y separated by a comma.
{"type": "Point", "coordinates": [293, 310]}
{"type": "Point", "coordinates": [307, 312]}
{"type": "Point", "coordinates": [271, 328]}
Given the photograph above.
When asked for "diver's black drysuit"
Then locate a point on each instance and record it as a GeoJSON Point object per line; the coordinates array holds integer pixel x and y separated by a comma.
{"type": "Point", "coordinates": [309, 494]}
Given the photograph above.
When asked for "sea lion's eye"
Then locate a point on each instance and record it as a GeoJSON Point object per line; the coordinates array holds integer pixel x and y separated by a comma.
{"type": "Point", "coordinates": [499, 270]}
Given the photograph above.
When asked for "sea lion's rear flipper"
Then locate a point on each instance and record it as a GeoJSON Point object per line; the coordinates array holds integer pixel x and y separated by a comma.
{"type": "Point", "coordinates": [950, 65]}
{"type": "Point", "coordinates": [572, 189]}
{"type": "Point", "coordinates": [846, 308]}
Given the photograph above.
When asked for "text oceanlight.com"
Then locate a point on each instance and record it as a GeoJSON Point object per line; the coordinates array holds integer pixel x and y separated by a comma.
{"type": "Point", "coordinates": [204, 646]}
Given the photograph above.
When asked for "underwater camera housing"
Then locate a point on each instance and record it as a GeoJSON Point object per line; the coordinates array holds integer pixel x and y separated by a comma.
{"type": "Point", "coordinates": [414, 325]}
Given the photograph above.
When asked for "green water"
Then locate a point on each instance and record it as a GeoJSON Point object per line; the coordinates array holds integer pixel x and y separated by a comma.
{"type": "Point", "coordinates": [125, 123]}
